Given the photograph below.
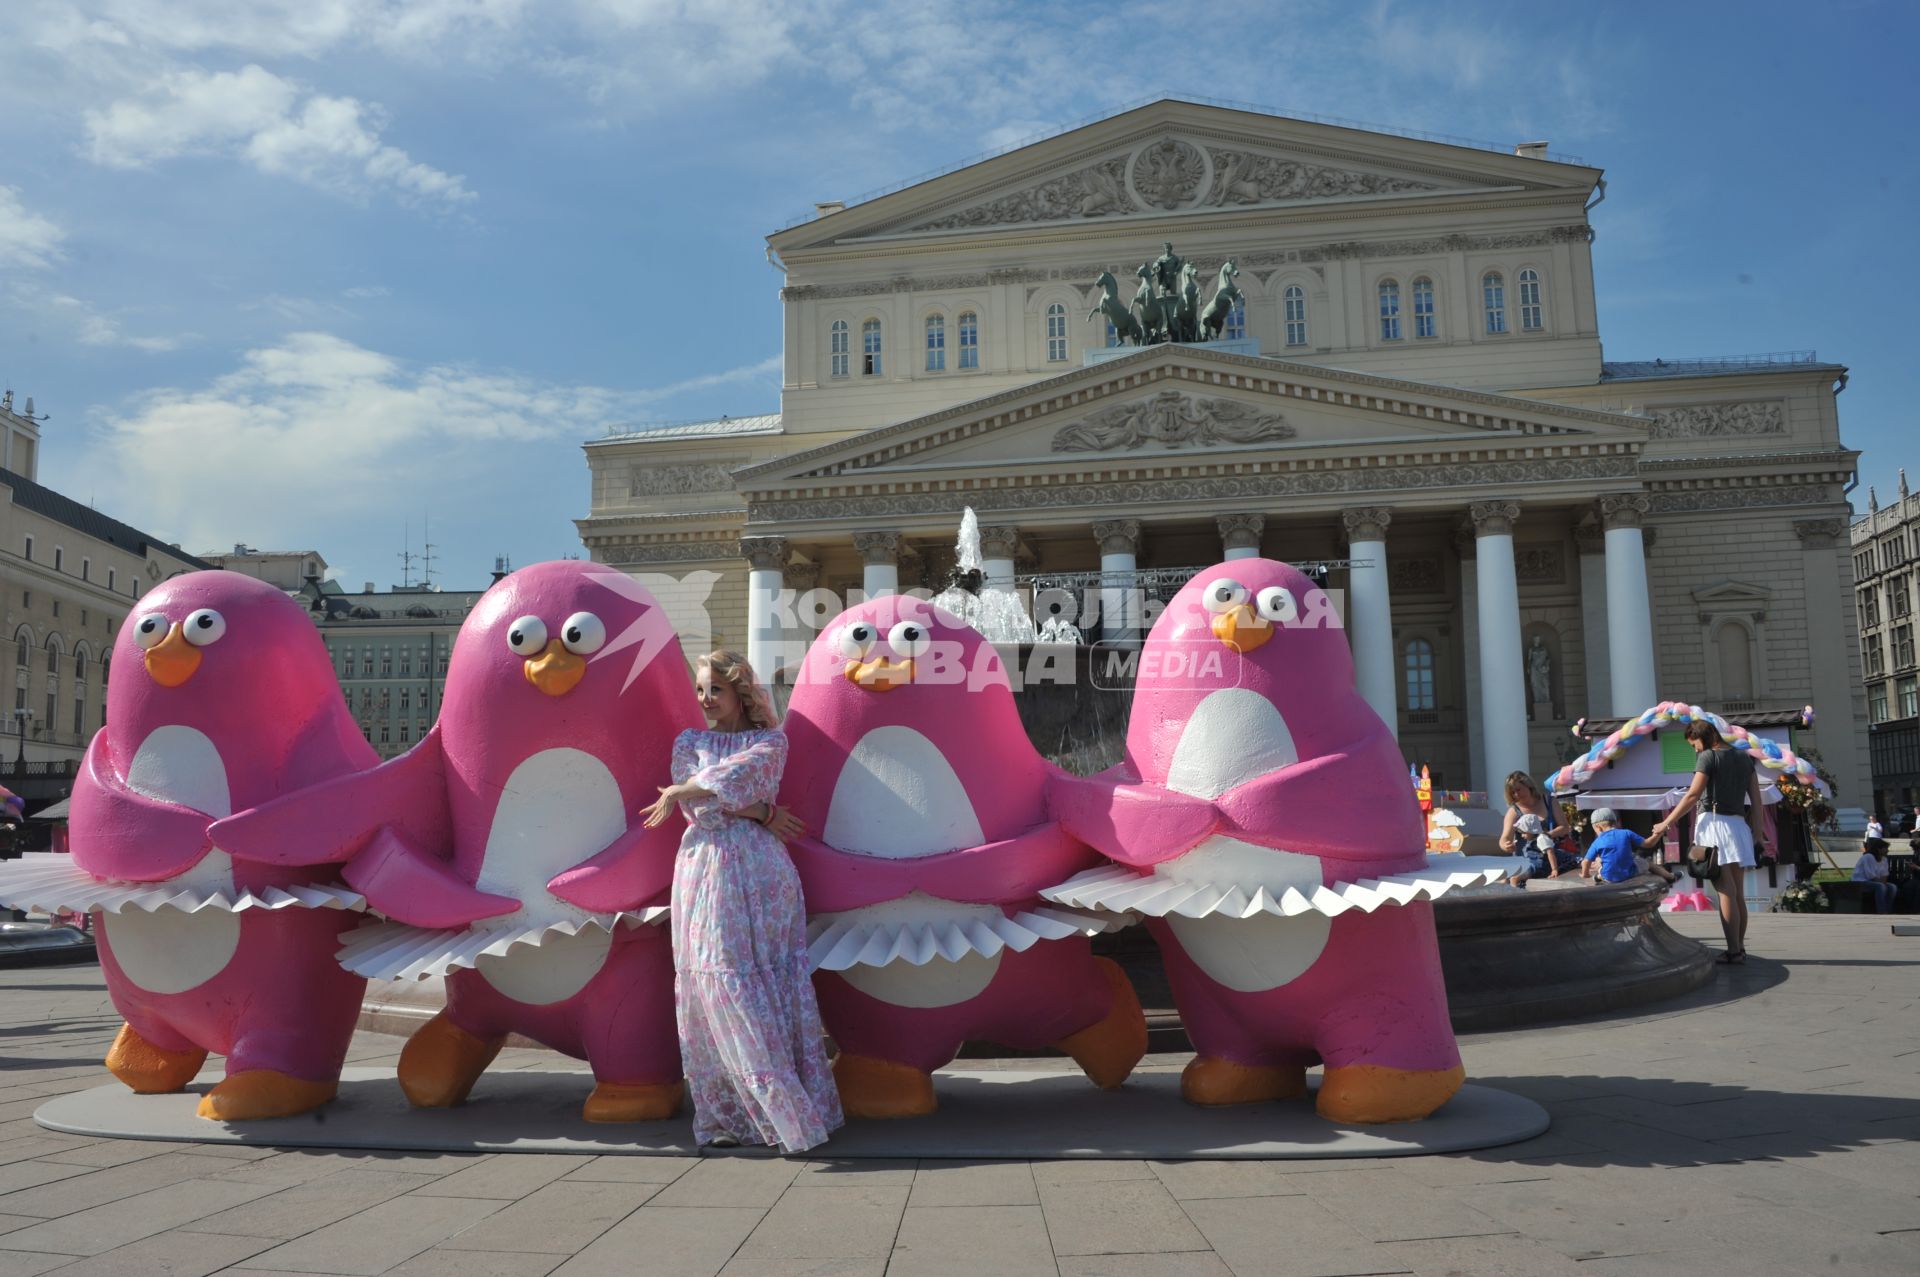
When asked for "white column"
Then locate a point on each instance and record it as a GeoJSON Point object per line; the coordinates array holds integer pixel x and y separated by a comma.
{"type": "Point", "coordinates": [1503, 709]}
{"type": "Point", "coordinates": [1119, 597]}
{"type": "Point", "coordinates": [1470, 657]}
{"type": "Point", "coordinates": [1240, 535]}
{"type": "Point", "coordinates": [766, 558]}
{"type": "Point", "coordinates": [880, 551]}
{"type": "Point", "coordinates": [1371, 609]}
{"type": "Point", "coordinates": [1629, 611]}
{"type": "Point", "coordinates": [1593, 618]}
{"type": "Point", "coordinates": [998, 548]}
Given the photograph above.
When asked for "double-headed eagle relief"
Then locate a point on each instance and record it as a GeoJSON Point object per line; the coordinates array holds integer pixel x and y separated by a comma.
{"type": "Point", "coordinates": [1166, 302]}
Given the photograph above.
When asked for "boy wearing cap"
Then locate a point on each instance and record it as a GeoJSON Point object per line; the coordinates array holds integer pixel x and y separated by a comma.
{"type": "Point", "coordinates": [1614, 853]}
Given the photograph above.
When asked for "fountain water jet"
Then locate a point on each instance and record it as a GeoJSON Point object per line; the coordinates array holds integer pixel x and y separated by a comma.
{"type": "Point", "coordinates": [993, 608]}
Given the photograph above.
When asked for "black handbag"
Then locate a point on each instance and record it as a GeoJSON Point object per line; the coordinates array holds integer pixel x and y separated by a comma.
{"type": "Point", "coordinates": [1703, 863]}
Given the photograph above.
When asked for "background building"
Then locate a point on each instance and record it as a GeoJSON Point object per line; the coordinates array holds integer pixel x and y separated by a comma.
{"type": "Point", "coordinates": [1886, 545]}
{"type": "Point", "coordinates": [69, 575]}
{"type": "Point", "coordinates": [389, 649]}
{"type": "Point", "coordinates": [288, 569]}
{"type": "Point", "coordinates": [1432, 404]}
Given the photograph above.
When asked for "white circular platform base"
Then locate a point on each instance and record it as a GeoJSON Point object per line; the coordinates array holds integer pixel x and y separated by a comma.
{"type": "Point", "coordinates": [984, 1114]}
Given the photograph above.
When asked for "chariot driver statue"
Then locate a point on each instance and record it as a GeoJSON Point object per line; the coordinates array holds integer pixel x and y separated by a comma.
{"type": "Point", "coordinates": [1166, 270]}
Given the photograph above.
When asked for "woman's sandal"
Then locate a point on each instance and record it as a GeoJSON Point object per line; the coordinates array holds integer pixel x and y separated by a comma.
{"type": "Point", "coordinates": [1732, 958]}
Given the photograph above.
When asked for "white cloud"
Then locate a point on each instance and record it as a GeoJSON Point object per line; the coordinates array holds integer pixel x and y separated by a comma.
{"type": "Point", "coordinates": [90, 326]}
{"type": "Point", "coordinates": [332, 143]}
{"type": "Point", "coordinates": [761, 371]}
{"type": "Point", "coordinates": [317, 432]}
{"type": "Point", "coordinates": [26, 239]}
{"type": "Point", "coordinates": [362, 291]}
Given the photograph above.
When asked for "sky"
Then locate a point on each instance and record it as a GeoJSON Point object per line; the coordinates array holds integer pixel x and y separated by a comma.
{"type": "Point", "coordinates": [318, 274]}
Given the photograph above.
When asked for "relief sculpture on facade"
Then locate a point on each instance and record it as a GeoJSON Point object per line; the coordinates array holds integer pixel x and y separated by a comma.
{"type": "Point", "coordinates": [1695, 421]}
{"type": "Point", "coordinates": [1173, 419]}
{"type": "Point", "coordinates": [1096, 191]}
{"type": "Point", "coordinates": [1167, 174]}
{"type": "Point", "coordinates": [657, 481]}
{"type": "Point", "coordinates": [1242, 177]}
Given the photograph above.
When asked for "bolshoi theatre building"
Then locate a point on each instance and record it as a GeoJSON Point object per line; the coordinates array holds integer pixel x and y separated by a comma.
{"type": "Point", "coordinates": [1411, 389]}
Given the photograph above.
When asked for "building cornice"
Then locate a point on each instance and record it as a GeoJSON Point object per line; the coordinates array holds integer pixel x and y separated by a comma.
{"type": "Point", "coordinates": [1551, 473]}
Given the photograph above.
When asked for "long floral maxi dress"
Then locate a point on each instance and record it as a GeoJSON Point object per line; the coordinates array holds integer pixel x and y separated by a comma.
{"type": "Point", "coordinates": [750, 1031]}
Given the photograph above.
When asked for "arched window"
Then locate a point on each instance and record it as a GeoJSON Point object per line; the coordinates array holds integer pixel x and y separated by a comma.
{"type": "Point", "coordinates": [1423, 321]}
{"type": "Point", "coordinates": [1532, 319]}
{"type": "Point", "coordinates": [1735, 649]}
{"type": "Point", "coordinates": [1296, 299]}
{"type": "Point", "coordinates": [839, 348]}
{"type": "Point", "coordinates": [936, 343]}
{"type": "Point", "coordinates": [1389, 310]}
{"type": "Point", "coordinates": [969, 339]}
{"type": "Point", "coordinates": [22, 640]}
{"type": "Point", "coordinates": [870, 348]}
{"type": "Point", "coordinates": [1419, 669]}
{"type": "Point", "coordinates": [1493, 292]}
{"type": "Point", "coordinates": [1236, 327]}
{"type": "Point", "coordinates": [53, 654]}
{"type": "Point", "coordinates": [79, 664]}
{"type": "Point", "coordinates": [1056, 333]}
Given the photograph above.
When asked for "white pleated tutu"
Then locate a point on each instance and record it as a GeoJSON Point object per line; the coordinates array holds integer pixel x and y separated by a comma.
{"type": "Point", "coordinates": [50, 881]}
{"type": "Point", "coordinates": [1168, 890]}
{"type": "Point", "coordinates": [389, 950]}
{"type": "Point", "coordinates": [918, 928]}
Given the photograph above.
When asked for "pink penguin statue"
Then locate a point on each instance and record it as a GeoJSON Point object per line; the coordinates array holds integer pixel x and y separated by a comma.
{"type": "Point", "coordinates": [505, 848]}
{"type": "Point", "coordinates": [1263, 822]}
{"type": "Point", "coordinates": [928, 843]}
{"type": "Point", "coordinates": [221, 696]}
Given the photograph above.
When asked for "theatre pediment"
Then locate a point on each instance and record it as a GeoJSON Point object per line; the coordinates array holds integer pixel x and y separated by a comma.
{"type": "Point", "coordinates": [1176, 405]}
{"type": "Point", "coordinates": [1172, 157]}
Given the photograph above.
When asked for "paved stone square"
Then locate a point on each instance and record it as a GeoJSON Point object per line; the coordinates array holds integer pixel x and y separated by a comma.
{"type": "Point", "coordinates": [1769, 1123]}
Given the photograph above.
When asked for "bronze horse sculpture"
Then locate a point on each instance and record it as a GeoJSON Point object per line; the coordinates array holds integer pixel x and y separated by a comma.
{"type": "Point", "coordinates": [1225, 295]}
{"type": "Point", "coordinates": [1125, 326]}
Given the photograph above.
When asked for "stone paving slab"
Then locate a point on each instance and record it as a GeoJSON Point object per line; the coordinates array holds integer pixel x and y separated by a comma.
{"type": "Point", "coordinates": [1769, 1123]}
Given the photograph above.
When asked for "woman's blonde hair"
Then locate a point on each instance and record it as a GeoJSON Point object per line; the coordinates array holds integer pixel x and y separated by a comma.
{"type": "Point", "coordinates": [732, 669]}
{"type": "Point", "coordinates": [1520, 780]}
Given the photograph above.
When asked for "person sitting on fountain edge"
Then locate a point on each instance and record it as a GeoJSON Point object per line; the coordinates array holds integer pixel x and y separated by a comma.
{"type": "Point", "coordinates": [1615, 852]}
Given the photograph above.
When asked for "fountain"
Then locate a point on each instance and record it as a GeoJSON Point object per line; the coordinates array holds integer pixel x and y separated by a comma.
{"type": "Point", "coordinates": [991, 607]}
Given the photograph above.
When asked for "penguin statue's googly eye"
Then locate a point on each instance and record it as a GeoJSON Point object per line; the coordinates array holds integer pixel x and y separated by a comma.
{"type": "Point", "coordinates": [1276, 604]}
{"type": "Point", "coordinates": [909, 638]}
{"type": "Point", "coordinates": [857, 640]}
{"type": "Point", "coordinates": [150, 631]}
{"type": "Point", "coordinates": [203, 627]}
{"type": "Point", "coordinates": [583, 634]}
{"type": "Point", "coordinates": [527, 636]}
{"type": "Point", "coordinates": [1223, 594]}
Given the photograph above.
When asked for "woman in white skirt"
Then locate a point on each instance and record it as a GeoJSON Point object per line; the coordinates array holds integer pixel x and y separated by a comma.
{"type": "Point", "coordinates": [1727, 788]}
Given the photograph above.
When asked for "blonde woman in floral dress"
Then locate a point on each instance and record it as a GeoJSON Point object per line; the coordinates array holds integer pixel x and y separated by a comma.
{"type": "Point", "coordinates": [750, 1033]}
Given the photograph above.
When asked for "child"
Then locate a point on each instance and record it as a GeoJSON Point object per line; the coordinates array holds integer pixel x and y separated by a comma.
{"type": "Point", "coordinates": [1614, 855]}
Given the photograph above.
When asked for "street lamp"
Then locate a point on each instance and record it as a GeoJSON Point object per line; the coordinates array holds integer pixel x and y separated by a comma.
{"type": "Point", "coordinates": [21, 718]}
